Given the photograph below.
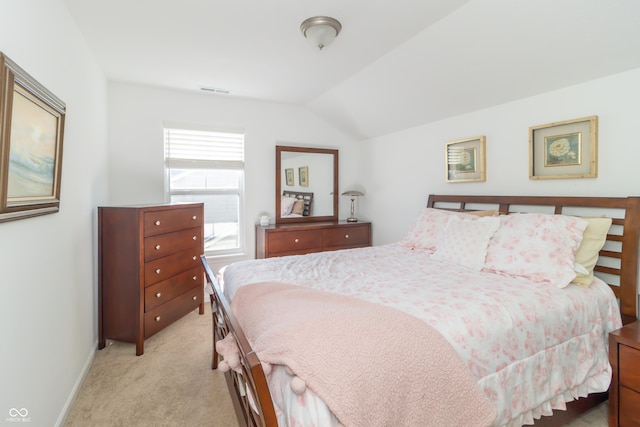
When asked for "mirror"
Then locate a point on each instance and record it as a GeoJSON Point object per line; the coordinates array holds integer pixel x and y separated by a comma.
{"type": "Point", "coordinates": [306, 184]}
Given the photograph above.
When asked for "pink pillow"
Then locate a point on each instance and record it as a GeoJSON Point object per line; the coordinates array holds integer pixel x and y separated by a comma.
{"type": "Point", "coordinates": [540, 247]}
{"type": "Point", "coordinates": [426, 232]}
{"type": "Point", "coordinates": [464, 241]}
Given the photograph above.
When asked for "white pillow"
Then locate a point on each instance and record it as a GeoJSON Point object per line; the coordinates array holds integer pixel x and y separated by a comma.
{"type": "Point", "coordinates": [427, 231]}
{"type": "Point", "coordinates": [465, 241]}
{"type": "Point", "coordinates": [540, 247]}
{"type": "Point", "coordinates": [286, 205]}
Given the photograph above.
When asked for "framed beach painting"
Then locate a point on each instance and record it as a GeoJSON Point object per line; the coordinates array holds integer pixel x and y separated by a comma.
{"type": "Point", "coordinates": [465, 160]}
{"type": "Point", "coordinates": [567, 149]}
{"type": "Point", "coordinates": [30, 145]}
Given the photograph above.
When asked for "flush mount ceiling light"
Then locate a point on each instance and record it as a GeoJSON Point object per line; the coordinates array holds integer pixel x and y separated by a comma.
{"type": "Point", "coordinates": [320, 30]}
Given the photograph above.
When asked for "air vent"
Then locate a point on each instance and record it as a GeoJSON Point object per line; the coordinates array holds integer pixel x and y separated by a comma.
{"type": "Point", "coordinates": [214, 90]}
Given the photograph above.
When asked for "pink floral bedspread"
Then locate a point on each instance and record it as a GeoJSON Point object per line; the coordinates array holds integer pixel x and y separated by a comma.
{"type": "Point", "coordinates": [531, 346]}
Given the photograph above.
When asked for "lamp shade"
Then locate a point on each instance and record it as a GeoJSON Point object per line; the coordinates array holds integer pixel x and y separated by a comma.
{"type": "Point", "coordinates": [354, 193]}
{"type": "Point", "coordinates": [320, 30]}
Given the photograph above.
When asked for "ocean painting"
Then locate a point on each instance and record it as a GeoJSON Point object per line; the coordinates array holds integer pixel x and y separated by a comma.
{"type": "Point", "coordinates": [32, 152]}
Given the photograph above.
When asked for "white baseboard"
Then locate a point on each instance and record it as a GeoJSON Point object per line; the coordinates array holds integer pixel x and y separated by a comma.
{"type": "Point", "coordinates": [76, 387]}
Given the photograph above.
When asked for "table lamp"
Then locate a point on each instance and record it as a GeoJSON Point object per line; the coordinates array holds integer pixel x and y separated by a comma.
{"type": "Point", "coordinates": [353, 194]}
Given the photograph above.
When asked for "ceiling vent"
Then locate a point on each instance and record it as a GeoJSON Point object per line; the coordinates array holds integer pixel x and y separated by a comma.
{"type": "Point", "coordinates": [214, 90]}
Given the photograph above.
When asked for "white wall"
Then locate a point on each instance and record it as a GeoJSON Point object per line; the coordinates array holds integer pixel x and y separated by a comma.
{"type": "Point", "coordinates": [48, 264]}
{"type": "Point", "coordinates": [401, 169]}
{"type": "Point", "coordinates": [136, 116]}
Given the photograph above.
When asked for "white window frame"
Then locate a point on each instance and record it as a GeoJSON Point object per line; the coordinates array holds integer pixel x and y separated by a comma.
{"type": "Point", "coordinates": [179, 163]}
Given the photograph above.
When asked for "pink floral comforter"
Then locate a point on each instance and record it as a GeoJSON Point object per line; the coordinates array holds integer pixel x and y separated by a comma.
{"type": "Point", "coordinates": [532, 347]}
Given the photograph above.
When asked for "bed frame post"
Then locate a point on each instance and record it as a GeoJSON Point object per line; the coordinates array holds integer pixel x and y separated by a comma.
{"type": "Point", "coordinates": [629, 264]}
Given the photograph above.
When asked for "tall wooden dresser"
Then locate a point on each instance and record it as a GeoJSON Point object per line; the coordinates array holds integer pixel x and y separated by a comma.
{"type": "Point", "coordinates": [149, 272]}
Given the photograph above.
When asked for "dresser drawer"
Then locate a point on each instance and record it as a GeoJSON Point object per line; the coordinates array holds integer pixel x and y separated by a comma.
{"type": "Point", "coordinates": [162, 245]}
{"type": "Point", "coordinates": [294, 241]}
{"type": "Point", "coordinates": [165, 221]}
{"type": "Point", "coordinates": [346, 237]}
{"type": "Point", "coordinates": [171, 311]}
{"type": "Point", "coordinates": [630, 363]}
{"type": "Point", "coordinates": [629, 408]}
{"type": "Point", "coordinates": [166, 290]}
{"type": "Point", "coordinates": [161, 269]}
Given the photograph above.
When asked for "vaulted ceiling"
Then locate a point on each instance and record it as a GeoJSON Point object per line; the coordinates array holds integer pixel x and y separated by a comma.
{"type": "Point", "coordinates": [396, 64]}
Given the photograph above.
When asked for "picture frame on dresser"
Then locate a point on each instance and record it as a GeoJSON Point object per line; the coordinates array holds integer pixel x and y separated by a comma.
{"type": "Point", "coordinates": [31, 139]}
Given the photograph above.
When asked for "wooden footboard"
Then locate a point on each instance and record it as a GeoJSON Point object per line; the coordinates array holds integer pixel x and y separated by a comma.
{"type": "Point", "coordinates": [256, 411]}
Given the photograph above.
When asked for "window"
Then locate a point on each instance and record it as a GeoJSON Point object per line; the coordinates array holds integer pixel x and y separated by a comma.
{"type": "Point", "coordinates": [208, 166]}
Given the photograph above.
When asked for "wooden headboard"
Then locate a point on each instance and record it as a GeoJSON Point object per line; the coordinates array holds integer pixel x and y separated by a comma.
{"type": "Point", "coordinates": [618, 261]}
{"type": "Point", "coordinates": [307, 197]}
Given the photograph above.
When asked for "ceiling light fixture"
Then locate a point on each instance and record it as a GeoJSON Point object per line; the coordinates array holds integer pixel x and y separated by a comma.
{"type": "Point", "coordinates": [320, 30]}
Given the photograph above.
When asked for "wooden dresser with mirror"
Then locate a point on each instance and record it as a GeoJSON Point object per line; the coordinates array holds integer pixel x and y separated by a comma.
{"type": "Point", "coordinates": [307, 207]}
{"type": "Point", "coordinates": [305, 238]}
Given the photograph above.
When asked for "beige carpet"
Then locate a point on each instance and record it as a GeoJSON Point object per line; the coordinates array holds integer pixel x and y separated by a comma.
{"type": "Point", "coordinates": [172, 384]}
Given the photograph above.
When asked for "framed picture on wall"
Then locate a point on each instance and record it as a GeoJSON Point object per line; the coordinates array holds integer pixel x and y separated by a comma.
{"type": "Point", "coordinates": [567, 149]}
{"type": "Point", "coordinates": [30, 145]}
{"type": "Point", "coordinates": [465, 160]}
{"type": "Point", "coordinates": [303, 176]}
{"type": "Point", "coordinates": [289, 177]}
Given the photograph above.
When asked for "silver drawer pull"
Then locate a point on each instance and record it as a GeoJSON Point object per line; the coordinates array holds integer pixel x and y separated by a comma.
{"type": "Point", "coordinates": [297, 240]}
{"type": "Point", "coordinates": [157, 247]}
{"type": "Point", "coordinates": [195, 277]}
{"type": "Point", "coordinates": [158, 295]}
{"type": "Point", "coordinates": [157, 222]}
{"type": "Point", "coordinates": [194, 217]}
{"type": "Point", "coordinates": [157, 318]}
{"type": "Point", "coordinates": [194, 258]}
{"type": "Point", "coordinates": [195, 297]}
{"type": "Point", "coordinates": [195, 237]}
{"type": "Point", "coordinates": [157, 271]}
{"type": "Point", "coordinates": [346, 236]}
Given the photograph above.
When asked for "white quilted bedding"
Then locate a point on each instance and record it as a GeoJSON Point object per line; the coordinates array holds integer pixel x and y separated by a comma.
{"type": "Point", "coordinates": [531, 346]}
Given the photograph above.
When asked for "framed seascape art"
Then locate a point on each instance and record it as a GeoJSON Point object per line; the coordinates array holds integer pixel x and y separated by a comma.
{"type": "Point", "coordinates": [465, 160]}
{"type": "Point", "coordinates": [303, 176]}
{"type": "Point", "coordinates": [289, 177]}
{"type": "Point", "coordinates": [567, 149]}
{"type": "Point", "coordinates": [30, 145]}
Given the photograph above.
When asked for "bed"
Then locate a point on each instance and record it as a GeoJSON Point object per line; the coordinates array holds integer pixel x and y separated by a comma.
{"type": "Point", "coordinates": [616, 296]}
{"type": "Point", "coordinates": [296, 204]}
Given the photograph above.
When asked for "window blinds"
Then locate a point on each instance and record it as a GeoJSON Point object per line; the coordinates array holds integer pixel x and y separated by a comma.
{"type": "Point", "coordinates": [218, 149]}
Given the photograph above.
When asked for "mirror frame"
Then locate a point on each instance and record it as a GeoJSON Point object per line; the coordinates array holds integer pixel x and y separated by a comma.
{"type": "Point", "coordinates": [279, 150]}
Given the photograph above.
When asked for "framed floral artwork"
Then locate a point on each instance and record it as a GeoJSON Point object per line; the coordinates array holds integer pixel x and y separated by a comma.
{"type": "Point", "coordinates": [289, 177]}
{"type": "Point", "coordinates": [567, 149]}
{"type": "Point", "coordinates": [465, 160]}
{"type": "Point", "coordinates": [303, 176]}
